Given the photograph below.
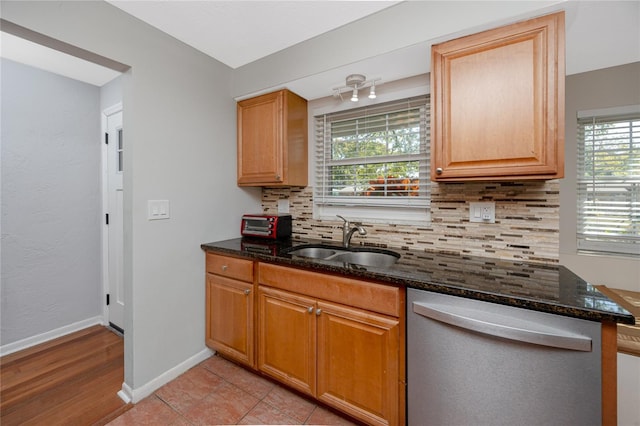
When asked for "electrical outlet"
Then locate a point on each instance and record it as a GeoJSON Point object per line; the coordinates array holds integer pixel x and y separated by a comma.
{"type": "Point", "coordinates": [283, 206]}
{"type": "Point", "coordinates": [484, 212]}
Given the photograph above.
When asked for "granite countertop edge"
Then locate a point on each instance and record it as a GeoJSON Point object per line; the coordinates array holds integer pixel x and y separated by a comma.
{"type": "Point", "coordinates": [387, 276]}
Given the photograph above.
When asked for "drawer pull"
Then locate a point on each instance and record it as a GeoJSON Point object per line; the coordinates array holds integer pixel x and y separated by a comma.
{"type": "Point", "coordinates": [224, 267]}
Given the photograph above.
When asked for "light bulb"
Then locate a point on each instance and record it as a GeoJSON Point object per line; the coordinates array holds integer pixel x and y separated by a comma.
{"type": "Point", "coordinates": [372, 92]}
{"type": "Point", "coordinates": [354, 97]}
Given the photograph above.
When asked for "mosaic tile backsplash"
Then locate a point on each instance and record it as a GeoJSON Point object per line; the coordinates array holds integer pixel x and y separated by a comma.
{"type": "Point", "coordinates": [526, 227]}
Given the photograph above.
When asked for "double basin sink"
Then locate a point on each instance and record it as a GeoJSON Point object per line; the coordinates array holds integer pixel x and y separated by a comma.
{"type": "Point", "coordinates": [357, 256]}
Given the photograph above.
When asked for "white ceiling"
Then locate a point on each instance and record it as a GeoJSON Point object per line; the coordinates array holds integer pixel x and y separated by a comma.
{"type": "Point", "coordinates": [238, 32]}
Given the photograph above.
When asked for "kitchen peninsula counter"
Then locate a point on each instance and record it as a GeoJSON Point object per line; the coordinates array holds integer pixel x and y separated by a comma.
{"type": "Point", "coordinates": [547, 288]}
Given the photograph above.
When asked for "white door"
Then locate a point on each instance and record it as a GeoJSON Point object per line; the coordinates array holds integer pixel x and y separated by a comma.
{"type": "Point", "coordinates": [113, 218]}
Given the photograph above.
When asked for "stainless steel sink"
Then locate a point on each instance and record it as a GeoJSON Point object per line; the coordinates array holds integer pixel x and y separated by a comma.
{"type": "Point", "coordinates": [358, 256]}
{"type": "Point", "coordinates": [367, 258]}
{"type": "Point", "coordinates": [313, 252]}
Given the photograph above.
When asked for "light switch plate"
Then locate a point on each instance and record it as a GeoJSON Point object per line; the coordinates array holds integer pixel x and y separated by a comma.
{"type": "Point", "coordinates": [158, 209]}
{"type": "Point", "coordinates": [482, 212]}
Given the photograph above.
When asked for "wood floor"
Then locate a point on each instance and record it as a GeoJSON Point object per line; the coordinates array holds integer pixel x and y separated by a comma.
{"type": "Point", "coordinates": [72, 380]}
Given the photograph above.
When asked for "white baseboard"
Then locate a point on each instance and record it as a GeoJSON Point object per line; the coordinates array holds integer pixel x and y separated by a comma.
{"type": "Point", "coordinates": [138, 394]}
{"type": "Point", "coordinates": [49, 335]}
{"type": "Point", "coordinates": [126, 393]}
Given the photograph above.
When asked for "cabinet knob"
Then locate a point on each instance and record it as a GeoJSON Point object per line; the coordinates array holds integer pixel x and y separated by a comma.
{"type": "Point", "coordinates": [318, 311]}
{"type": "Point", "coordinates": [439, 171]}
{"type": "Point", "coordinates": [277, 177]}
{"type": "Point", "coordinates": [247, 292]}
{"type": "Point", "coordinates": [310, 310]}
{"type": "Point", "coordinates": [224, 267]}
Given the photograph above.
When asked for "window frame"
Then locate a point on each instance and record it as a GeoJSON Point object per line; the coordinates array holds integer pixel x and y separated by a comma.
{"type": "Point", "coordinates": [587, 209]}
{"type": "Point", "coordinates": [398, 209]}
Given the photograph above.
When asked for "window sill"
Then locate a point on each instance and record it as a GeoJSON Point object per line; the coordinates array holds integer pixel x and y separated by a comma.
{"type": "Point", "coordinates": [384, 215]}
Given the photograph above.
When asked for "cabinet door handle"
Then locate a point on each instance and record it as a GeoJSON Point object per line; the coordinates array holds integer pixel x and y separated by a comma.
{"type": "Point", "coordinates": [224, 267]}
{"type": "Point", "coordinates": [247, 292]}
{"type": "Point", "coordinates": [439, 171]}
{"type": "Point", "coordinates": [318, 311]}
{"type": "Point", "coordinates": [310, 310]}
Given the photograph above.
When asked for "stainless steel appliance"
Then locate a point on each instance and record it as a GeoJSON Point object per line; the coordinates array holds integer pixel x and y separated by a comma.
{"type": "Point", "coordinates": [266, 226]}
{"type": "Point", "coordinates": [471, 362]}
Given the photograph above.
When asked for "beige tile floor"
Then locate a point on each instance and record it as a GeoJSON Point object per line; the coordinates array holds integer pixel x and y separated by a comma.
{"type": "Point", "coordinates": [218, 392]}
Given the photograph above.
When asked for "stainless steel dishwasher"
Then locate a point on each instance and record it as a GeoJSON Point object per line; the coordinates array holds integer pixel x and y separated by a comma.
{"type": "Point", "coordinates": [477, 363]}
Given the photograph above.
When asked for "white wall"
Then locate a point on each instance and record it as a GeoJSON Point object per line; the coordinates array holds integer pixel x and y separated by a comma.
{"type": "Point", "coordinates": [604, 88]}
{"type": "Point", "coordinates": [180, 120]}
{"type": "Point", "coordinates": [111, 93]}
{"type": "Point", "coordinates": [609, 87]}
{"type": "Point", "coordinates": [50, 202]}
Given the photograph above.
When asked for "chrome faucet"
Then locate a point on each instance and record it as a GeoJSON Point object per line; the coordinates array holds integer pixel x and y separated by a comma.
{"type": "Point", "coordinates": [348, 230]}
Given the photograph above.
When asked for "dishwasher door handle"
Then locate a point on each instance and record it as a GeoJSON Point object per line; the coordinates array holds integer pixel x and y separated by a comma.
{"type": "Point", "coordinates": [503, 326]}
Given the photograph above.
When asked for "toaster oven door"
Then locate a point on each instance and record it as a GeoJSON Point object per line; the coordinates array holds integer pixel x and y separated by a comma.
{"type": "Point", "coordinates": [256, 226]}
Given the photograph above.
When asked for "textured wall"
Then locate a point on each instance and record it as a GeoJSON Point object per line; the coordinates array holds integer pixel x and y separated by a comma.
{"type": "Point", "coordinates": [526, 221]}
{"type": "Point", "coordinates": [51, 199]}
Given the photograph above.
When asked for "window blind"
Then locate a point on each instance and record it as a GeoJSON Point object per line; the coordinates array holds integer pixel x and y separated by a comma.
{"type": "Point", "coordinates": [375, 156]}
{"type": "Point", "coordinates": [609, 181]}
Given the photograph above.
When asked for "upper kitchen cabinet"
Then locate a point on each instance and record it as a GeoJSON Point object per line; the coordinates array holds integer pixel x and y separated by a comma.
{"type": "Point", "coordinates": [272, 140]}
{"type": "Point", "coordinates": [498, 103]}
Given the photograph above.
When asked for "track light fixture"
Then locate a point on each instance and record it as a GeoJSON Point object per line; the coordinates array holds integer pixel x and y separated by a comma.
{"type": "Point", "coordinates": [354, 83]}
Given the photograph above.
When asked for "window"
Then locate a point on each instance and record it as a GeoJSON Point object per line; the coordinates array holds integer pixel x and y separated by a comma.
{"type": "Point", "coordinates": [609, 180]}
{"type": "Point", "coordinates": [374, 161]}
{"type": "Point", "coordinates": [120, 151]}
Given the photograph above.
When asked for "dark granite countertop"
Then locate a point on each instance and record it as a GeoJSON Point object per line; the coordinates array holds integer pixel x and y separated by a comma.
{"type": "Point", "coordinates": [545, 288]}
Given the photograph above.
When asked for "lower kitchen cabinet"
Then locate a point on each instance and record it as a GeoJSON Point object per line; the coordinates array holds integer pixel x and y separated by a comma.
{"type": "Point", "coordinates": [230, 308]}
{"type": "Point", "coordinates": [347, 357]}
{"type": "Point", "coordinates": [336, 339]}
{"type": "Point", "coordinates": [287, 338]}
{"type": "Point", "coordinates": [358, 363]}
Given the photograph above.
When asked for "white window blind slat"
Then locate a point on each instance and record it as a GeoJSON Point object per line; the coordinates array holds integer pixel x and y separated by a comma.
{"type": "Point", "coordinates": [375, 156]}
{"type": "Point", "coordinates": [608, 181]}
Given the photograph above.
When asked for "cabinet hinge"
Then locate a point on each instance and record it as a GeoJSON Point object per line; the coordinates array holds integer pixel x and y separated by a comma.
{"type": "Point", "coordinates": [107, 299]}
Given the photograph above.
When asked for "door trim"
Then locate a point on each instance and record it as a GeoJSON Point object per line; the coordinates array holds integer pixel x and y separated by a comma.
{"type": "Point", "coordinates": [104, 233]}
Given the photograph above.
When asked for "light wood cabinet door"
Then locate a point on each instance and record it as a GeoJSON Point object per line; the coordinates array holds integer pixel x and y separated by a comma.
{"type": "Point", "coordinates": [230, 318]}
{"type": "Point", "coordinates": [358, 363]}
{"type": "Point", "coordinates": [272, 140]}
{"type": "Point", "coordinates": [498, 103]}
{"type": "Point", "coordinates": [287, 338]}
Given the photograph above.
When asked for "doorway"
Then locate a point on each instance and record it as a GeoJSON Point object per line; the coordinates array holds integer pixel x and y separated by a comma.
{"type": "Point", "coordinates": [68, 170]}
